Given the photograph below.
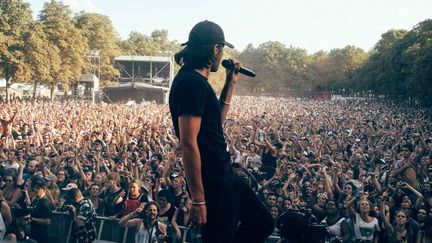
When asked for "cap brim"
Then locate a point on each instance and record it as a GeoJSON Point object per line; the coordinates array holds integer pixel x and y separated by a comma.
{"type": "Point", "coordinates": [225, 43]}
{"type": "Point", "coordinates": [229, 45]}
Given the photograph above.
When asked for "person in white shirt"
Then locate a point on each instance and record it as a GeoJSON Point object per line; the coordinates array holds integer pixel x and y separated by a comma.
{"type": "Point", "coordinates": [145, 220]}
{"type": "Point", "coordinates": [365, 226]}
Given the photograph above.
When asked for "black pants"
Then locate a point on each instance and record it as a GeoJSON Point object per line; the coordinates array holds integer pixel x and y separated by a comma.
{"type": "Point", "coordinates": [234, 212]}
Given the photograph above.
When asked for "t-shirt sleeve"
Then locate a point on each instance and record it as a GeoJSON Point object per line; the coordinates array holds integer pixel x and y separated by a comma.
{"type": "Point", "coordinates": [143, 198]}
{"type": "Point", "coordinates": [44, 210]}
{"type": "Point", "coordinates": [191, 98]}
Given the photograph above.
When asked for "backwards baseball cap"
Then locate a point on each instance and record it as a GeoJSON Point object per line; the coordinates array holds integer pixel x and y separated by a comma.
{"type": "Point", "coordinates": [37, 182]}
{"type": "Point", "coordinates": [207, 32]}
{"type": "Point", "coordinates": [70, 186]}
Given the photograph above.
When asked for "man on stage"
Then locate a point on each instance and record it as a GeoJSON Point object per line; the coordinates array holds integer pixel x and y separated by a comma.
{"type": "Point", "coordinates": [224, 207]}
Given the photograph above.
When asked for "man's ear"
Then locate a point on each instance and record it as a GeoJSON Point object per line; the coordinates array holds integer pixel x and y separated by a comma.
{"type": "Point", "coordinates": [217, 49]}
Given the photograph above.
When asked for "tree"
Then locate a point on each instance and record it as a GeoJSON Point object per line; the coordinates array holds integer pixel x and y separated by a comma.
{"type": "Point", "coordinates": [163, 44]}
{"type": "Point", "coordinates": [416, 62]}
{"type": "Point", "coordinates": [15, 19]}
{"type": "Point", "coordinates": [138, 45]}
{"type": "Point", "coordinates": [42, 56]}
{"type": "Point", "coordinates": [155, 45]}
{"type": "Point", "coordinates": [381, 72]}
{"type": "Point", "coordinates": [100, 35]}
{"type": "Point", "coordinates": [61, 32]}
{"type": "Point", "coordinates": [249, 58]}
{"type": "Point", "coordinates": [318, 74]}
{"type": "Point", "coordinates": [344, 65]}
{"type": "Point", "coordinates": [297, 64]}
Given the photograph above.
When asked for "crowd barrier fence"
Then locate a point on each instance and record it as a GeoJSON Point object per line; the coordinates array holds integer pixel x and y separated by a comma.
{"type": "Point", "coordinates": [108, 230]}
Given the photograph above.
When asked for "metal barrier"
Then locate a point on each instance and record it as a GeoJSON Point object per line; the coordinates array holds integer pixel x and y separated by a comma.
{"type": "Point", "coordinates": [108, 230]}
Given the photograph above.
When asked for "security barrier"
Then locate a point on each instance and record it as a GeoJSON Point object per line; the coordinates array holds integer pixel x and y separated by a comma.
{"type": "Point", "coordinates": [108, 230]}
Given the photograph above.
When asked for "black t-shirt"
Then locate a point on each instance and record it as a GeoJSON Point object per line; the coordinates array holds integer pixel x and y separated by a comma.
{"type": "Point", "coordinates": [268, 164]}
{"type": "Point", "coordinates": [111, 208]}
{"type": "Point", "coordinates": [167, 216]}
{"type": "Point", "coordinates": [41, 208]}
{"type": "Point", "coordinates": [191, 94]}
{"type": "Point", "coordinates": [177, 198]}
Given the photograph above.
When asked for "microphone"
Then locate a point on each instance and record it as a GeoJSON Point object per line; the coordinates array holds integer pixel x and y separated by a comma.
{"type": "Point", "coordinates": [230, 66]}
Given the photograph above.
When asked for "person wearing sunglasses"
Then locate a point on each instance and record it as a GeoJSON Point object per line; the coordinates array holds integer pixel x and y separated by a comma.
{"type": "Point", "coordinates": [11, 191]}
{"type": "Point", "coordinates": [19, 230]}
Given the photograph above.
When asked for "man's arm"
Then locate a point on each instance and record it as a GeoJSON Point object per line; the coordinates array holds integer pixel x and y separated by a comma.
{"type": "Point", "coordinates": [12, 118]}
{"type": "Point", "coordinates": [189, 127]}
{"type": "Point", "coordinates": [41, 221]}
{"type": "Point", "coordinates": [225, 99]}
{"type": "Point", "coordinates": [227, 91]}
{"type": "Point", "coordinates": [396, 172]}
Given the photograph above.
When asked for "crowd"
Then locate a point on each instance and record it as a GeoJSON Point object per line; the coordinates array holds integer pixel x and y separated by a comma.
{"type": "Point", "coordinates": [360, 168]}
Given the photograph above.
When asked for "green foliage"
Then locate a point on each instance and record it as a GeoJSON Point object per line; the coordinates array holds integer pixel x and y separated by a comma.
{"type": "Point", "coordinates": [62, 34]}
{"type": "Point", "coordinates": [100, 35]}
{"type": "Point", "coordinates": [417, 62]}
{"type": "Point", "coordinates": [42, 56]}
{"type": "Point", "coordinates": [15, 20]}
{"type": "Point", "coordinates": [155, 45]}
{"type": "Point", "coordinates": [400, 66]}
{"type": "Point", "coordinates": [378, 74]}
{"type": "Point", "coordinates": [344, 65]}
{"type": "Point", "coordinates": [277, 66]}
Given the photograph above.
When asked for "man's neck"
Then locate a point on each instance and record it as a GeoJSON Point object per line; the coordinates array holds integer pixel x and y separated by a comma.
{"type": "Point", "coordinates": [178, 191]}
{"type": "Point", "coordinates": [78, 200]}
{"type": "Point", "coordinates": [205, 72]}
{"type": "Point", "coordinates": [41, 195]}
{"type": "Point", "coordinates": [114, 188]}
{"type": "Point", "coordinates": [400, 228]}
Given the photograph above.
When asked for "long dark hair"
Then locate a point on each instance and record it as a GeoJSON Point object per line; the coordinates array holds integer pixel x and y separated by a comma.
{"type": "Point", "coordinates": [196, 56]}
{"type": "Point", "coordinates": [145, 212]}
{"type": "Point", "coordinates": [410, 233]}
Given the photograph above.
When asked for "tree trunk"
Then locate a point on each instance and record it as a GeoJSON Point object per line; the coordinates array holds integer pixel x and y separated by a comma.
{"type": "Point", "coordinates": [7, 89]}
{"type": "Point", "coordinates": [52, 92]}
{"type": "Point", "coordinates": [34, 89]}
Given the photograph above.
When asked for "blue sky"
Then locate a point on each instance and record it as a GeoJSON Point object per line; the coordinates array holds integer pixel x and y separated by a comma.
{"type": "Point", "coordinates": [310, 24]}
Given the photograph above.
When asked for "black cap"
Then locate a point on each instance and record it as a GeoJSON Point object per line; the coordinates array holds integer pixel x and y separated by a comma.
{"type": "Point", "coordinates": [38, 182]}
{"type": "Point", "coordinates": [207, 32]}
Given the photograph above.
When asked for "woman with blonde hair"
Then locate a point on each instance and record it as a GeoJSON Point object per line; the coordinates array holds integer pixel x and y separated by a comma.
{"type": "Point", "coordinates": [366, 227]}
{"type": "Point", "coordinates": [132, 199]}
